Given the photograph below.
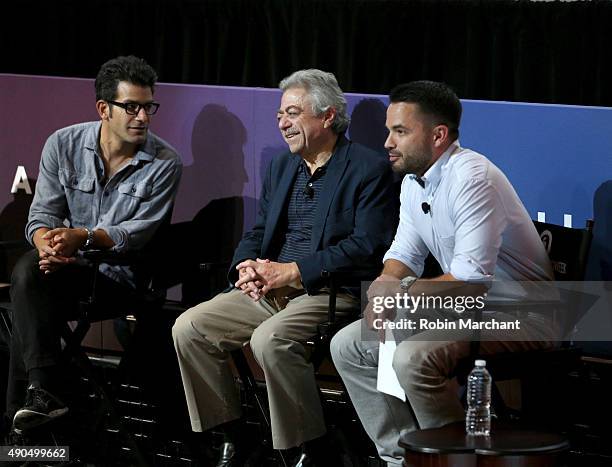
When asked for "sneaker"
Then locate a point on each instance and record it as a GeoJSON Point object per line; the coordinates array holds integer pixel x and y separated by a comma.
{"type": "Point", "coordinates": [40, 407]}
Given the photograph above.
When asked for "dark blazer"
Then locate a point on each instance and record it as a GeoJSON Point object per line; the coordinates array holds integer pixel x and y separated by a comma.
{"type": "Point", "coordinates": [354, 222]}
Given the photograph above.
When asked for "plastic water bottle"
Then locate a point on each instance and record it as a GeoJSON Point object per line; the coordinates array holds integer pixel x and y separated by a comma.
{"type": "Point", "coordinates": [478, 417]}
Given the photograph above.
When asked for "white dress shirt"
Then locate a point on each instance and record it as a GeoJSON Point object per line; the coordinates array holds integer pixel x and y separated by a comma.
{"type": "Point", "coordinates": [477, 227]}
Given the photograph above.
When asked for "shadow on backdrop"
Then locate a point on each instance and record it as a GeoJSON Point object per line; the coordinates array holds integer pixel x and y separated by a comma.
{"type": "Point", "coordinates": [13, 220]}
{"type": "Point", "coordinates": [599, 267]}
{"type": "Point", "coordinates": [600, 259]}
{"type": "Point", "coordinates": [267, 154]}
{"type": "Point", "coordinates": [368, 124]}
{"type": "Point", "coordinates": [215, 180]}
{"type": "Point", "coordinates": [368, 128]}
{"type": "Point", "coordinates": [208, 234]}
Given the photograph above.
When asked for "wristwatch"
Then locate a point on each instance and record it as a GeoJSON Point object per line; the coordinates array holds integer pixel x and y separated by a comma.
{"type": "Point", "coordinates": [90, 238]}
{"type": "Point", "coordinates": [407, 282]}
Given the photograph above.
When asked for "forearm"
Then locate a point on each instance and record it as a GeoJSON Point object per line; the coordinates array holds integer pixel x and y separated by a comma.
{"type": "Point", "coordinates": [396, 269]}
{"type": "Point", "coordinates": [49, 205]}
{"type": "Point", "coordinates": [295, 276]}
{"type": "Point", "coordinates": [446, 285]}
{"type": "Point", "coordinates": [67, 241]}
{"type": "Point", "coordinates": [101, 240]}
{"type": "Point", "coordinates": [37, 238]}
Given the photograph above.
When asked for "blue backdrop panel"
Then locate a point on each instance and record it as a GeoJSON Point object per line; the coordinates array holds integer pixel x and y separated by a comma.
{"type": "Point", "coordinates": [555, 156]}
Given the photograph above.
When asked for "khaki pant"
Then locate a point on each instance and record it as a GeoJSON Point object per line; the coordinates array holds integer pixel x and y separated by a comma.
{"type": "Point", "coordinates": [204, 335]}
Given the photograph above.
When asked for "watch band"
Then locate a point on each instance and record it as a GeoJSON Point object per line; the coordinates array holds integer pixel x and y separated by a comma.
{"type": "Point", "coordinates": [90, 238]}
{"type": "Point", "coordinates": [407, 282]}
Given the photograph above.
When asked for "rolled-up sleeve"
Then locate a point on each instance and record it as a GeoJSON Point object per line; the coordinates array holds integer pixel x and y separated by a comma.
{"type": "Point", "coordinates": [480, 220]}
{"type": "Point", "coordinates": [135, 232]}
{"type": "Point", "coordinates": [49, 207]}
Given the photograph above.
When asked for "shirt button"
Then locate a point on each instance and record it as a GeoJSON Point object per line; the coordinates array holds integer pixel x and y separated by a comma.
{"type": "Point", "coordinates": [106, 193]}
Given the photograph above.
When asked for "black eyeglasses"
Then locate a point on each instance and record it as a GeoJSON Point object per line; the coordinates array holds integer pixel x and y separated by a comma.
{"type": "Point", "coordinates": [132, 108]}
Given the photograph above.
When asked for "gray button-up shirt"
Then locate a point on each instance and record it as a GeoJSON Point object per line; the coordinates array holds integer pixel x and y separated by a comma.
{"type": "Point", "coordinates": [72, 188]}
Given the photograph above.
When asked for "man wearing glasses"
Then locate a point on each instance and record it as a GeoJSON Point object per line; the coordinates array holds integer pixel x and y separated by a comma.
{"type": "Point", "coordinates": [327, 203]}
{"type": "Point", "coordinates": [105, 185]}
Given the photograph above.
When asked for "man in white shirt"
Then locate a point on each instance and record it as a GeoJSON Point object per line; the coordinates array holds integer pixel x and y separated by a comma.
{"type": "Point", "coordinates": [460, 207]}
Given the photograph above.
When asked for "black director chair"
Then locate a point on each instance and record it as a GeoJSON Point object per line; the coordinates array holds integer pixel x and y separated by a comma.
{"type": "Point", "coordinates": [161, 266]}
{"type": "Point", "coordinates": [568, 249]}
{"type": "Point", "coordinates": [72, 336]}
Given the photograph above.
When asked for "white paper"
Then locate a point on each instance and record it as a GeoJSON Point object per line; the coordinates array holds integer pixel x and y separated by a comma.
{"type": "Point", "coordinates": [387, 379]}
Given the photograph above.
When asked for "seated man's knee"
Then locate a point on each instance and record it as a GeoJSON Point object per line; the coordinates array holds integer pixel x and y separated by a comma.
{"type": "Point", "coordinates": [410, 357]}
{"type": "Point", "coordinates": [26, 270]}
{"type": "Point", "coordinates": [341, 345]}
{"type": "Point", "coordinates": [268, 344]}
{"type": "Point", "coordinates": [182, 328]}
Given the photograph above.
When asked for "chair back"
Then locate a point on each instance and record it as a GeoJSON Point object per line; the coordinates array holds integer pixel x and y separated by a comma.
{"type": "Point", "coordinates": [567, 248]}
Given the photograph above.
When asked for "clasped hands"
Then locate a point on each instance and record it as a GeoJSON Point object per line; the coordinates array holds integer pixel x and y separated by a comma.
{"type": "Point", "coordinates": [257, 277]}
{"type": "Point", "coordinates": [56, 248]}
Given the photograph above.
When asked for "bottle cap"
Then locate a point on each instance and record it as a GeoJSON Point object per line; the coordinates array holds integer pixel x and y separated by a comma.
{"type": "Point", "coordinates": [480, 363]}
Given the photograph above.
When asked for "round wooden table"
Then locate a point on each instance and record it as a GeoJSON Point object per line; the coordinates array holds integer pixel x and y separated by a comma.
{"type": "Point", "coordinates": [507, 446]}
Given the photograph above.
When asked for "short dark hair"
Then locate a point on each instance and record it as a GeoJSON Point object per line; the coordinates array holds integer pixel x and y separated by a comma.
{"type": "Point", "coordinates": [434, 99]}
{"type": "Point", "coordinates": [131, 69]}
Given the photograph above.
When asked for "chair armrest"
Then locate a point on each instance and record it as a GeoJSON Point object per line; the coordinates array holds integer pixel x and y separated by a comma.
{"type": "Point", "coordinates": [213, 266]}
{"type": "Point", "coordinates": [342, 277]}
{"type": "Point", "coordinates": [335, 280]}
{"type": "Point", "coordinates": [13, 244]}
{"type": "Point", "coordinates": [126, 258]}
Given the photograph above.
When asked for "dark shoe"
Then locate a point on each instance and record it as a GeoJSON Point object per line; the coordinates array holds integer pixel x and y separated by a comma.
{"type": "Point", "coordinates": [14, 439]}
{"type": "Point", "coordinates": [329, 459]}
{"type": "Point", "coordinates": [304, 461]}
{"type": "Point", "coordinates": [232, 456]}
{"type": "Point", "coordinates": [227, 456]}
{"type": "Point", "coordinates": [40, 407]}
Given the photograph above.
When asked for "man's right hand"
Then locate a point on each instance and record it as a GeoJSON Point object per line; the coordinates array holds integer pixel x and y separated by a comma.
{"type": "Point", "coordinates": [50, 259]}
{"type": "Point", "coordinates": [252, 288]}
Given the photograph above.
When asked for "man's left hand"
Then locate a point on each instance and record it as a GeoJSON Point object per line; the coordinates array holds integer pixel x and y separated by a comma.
{"type": "Point", "coordinates": [66, 241]}
{"type": "Point", "coordinates": [271, 274]}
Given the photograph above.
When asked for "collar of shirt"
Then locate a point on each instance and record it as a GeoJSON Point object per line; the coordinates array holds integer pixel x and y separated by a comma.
{"type": "Point", "coordinates": [431, 179]}
{"type": "Point", "coordinates": [320, 170]}
{"type": "Point", "coordinates": [146, 152]}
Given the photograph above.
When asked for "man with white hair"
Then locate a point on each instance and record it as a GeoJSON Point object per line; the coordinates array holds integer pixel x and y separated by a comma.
{"type": "Point", "coordinates": [327, 203]}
